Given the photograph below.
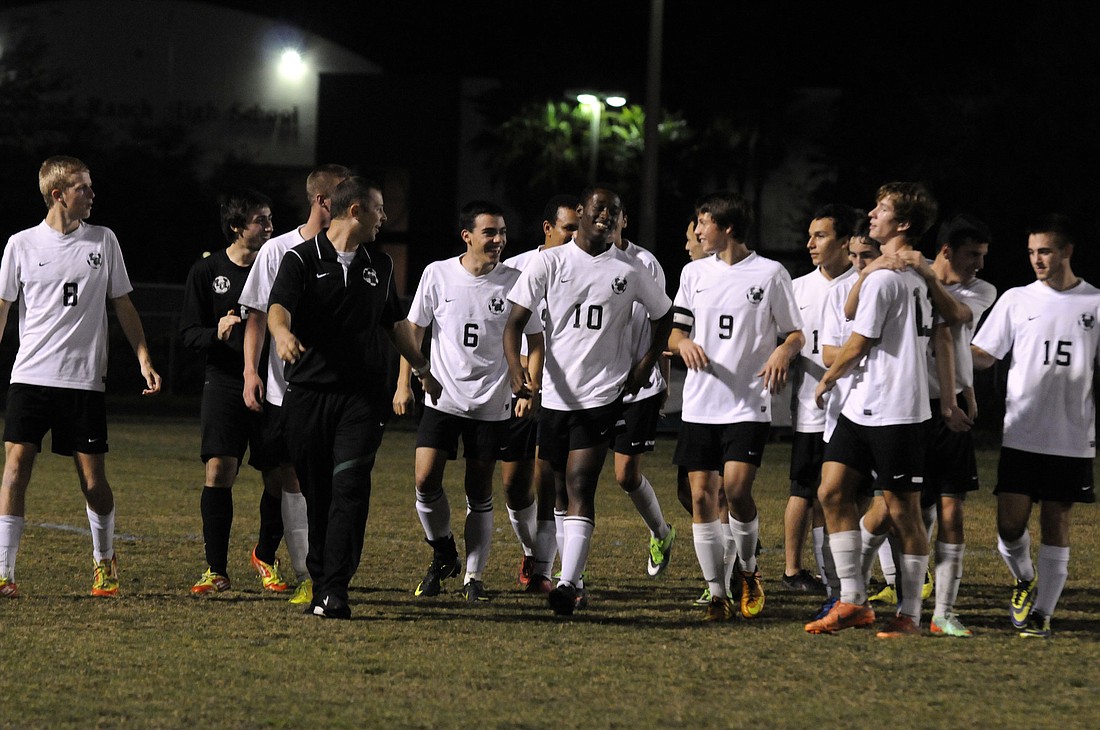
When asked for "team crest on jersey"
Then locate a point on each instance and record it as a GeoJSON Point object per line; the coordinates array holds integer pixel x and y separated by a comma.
{"type": "Point", "coordinates": [370, 276]}
{"type": "Point", "coordinates": [619, 285]}
{"type": "Point", "coordinates": [1088, 320]}
{"type": "Point", "coordinates": [755, 294]}
{"type": "Point", "coordinates": [496, 305]}
{"type": "Point", "coordinates": [221, 285]}
{"type": "Point", "coordinates": [95, 259]}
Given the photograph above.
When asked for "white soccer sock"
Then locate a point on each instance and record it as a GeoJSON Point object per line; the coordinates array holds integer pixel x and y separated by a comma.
{"type": "Point", "coordinates": [523, 524]}
{"type": "Point", "coordinates": [546, 544]}
{"type": "Point", "coordinates": [949, 569]}
{"type": "Point", "coordinates": [578, 538]}
{"type": "Point", "coordinates": [103, 533]}
{"type": "Point", "coordinates": [710, 549]}
{"type": "Point", "coordinates": [817, 536]}
{"type": "Point", "coordinates": [845, 546]}
{"type": "Point", "coordinates": [434, 512]}
{"type": "Point", "coordinates": [11, 532]}
{"type": "Point", "coordinates": [645, 501]}
{"type": "Point", "coordinates": [1053, 571]}
{"type": "Point", "coordinates": [1017, 556]}
{"type": "Point", "coordinates": [913, 568]}
{"type": "Point", "coordinates": [478, 536]}
{"type": "Point", "coordinates": [296, 531]}
{"type": "Point", "coordinates": [886, 562]}
{"type": "Point", "coordinates": [559, 530]}
{"type": "Point", "coordinates": [745, 536]}
{"type": "Point", "coordinates": [832, 582]}
{"type": "Point", "coordinates": [869, 547]}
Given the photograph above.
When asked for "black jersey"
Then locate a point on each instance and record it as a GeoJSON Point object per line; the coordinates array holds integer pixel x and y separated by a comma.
{"type": "Point", "coordinates": [213, 289]}
{"type": "Point", "coordinates": [337, 320]}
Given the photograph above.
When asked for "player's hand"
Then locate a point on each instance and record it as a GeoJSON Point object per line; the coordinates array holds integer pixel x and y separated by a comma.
{"type": "Point", "coordinates": [894, 262]}
{"type": "Point", "coordinates": [637, 378]}
{"type": "Point", "coordinates": [152, 379]}
{"type": "Point", "coordinates": [775, 371]}
{"type": "Point", "coordinates": [523, 384]}
{"type": "Point", "coordinates": [823, 387]}
{"type": "Point", "coordinates": [403, 399]}
{"type": "Point", "coordinates": [693, 355]}
{"type": "Point", "coordinates": [226, 325]}
{"type": "Point", "coordinates": [431, 387]}
{"type": "Point", "coordinates": [955, 419]}
{"type": "Point", "coordinates": [524, 407]}
{"type": "Point", "coordinates": [971, 404]}
{"type": "Point", "coordinates": [253, 391]}
{"type": "Point", "coordinates": [288, 347]}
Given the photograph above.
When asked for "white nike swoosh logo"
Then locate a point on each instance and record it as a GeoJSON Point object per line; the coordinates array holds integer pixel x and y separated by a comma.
{"type": "Point", "coordinates": [321, 276]}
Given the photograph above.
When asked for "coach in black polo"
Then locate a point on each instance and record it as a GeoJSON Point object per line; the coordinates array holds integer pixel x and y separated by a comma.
{"type": "Point", "coordinates": [330, 297]}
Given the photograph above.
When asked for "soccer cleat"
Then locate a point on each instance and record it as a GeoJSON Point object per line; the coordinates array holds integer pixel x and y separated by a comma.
{"type": "Point", "coordinates": [444, 565]}
{"type": "Point", "coordinates": [928, 586]}
{"type": "Point", "coordinates": [105, 577]}
{"type": "Point", "coordinates": [1023, 597]}
{"type": "Point", "coordinates": [949, 625]}
{"type": "Point", "coordinates": [825, 608]}
{"type": "Point", "coordinates": [752, 595]}
{"type": "Point", "coordinates": [1038, 627]}
{"type": "Point", "coordinates": [719, 609]}
{"type": "Point", "coordinates": [303, 594]}
{"type": "Point", "coordinates": [474, 592]}
{"type": "Point", "coordinates": [526, 571]}
{"type": "Point", "coordinates": [563, 599]}
{"type": "Point", "coordinates": [804, 582]}
{"type": "Point", "coordinates": [659, 553]}
{"type": "Point", "coordinates": [888, 595]}
{"type": "Point", "coordinates": [270, 577]}
{"type": "Point", "coordinates": [704, 597]}
{"type": "Point", "coordinates": [8, 589]}
{"type": "Point", "coordinates": [210, 582]}
{"type": "Point", "coordinates": [539, 584]}
{"type": "Point", "coordinates": [582, 597]}
{"type": "Point", "coordinates": [842, 616]}
{"type": "Point", "coordinates": [330, 608]}
{"type": "Point", "coordinates": [899, 627]}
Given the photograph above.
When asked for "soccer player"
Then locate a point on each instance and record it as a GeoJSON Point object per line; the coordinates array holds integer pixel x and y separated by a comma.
{"type": "Point", "coordinates": [1050, 327]}
{"type": "Point", "coordinates": [729, 310]}
{"type": "Point", "coordinates": [829, 233]}
{"type": "Point", "coordinates": [212, 322]}
{"type": "Point", "coordinates": [269, 400]}
{"type": "Point", "coordinates": [641, 413]}
{"type": "Point", "coordinates": [536, 502]}
{"type": "Point", "coordinates": [63, 271]}
{"type": "Point", "coordinates": [881, 426]}
{"type": "Point", "coordinates": [589, 287]}
{"type": "Point", "coordinates": [464, 301]}
{"type": "Point", "coordinates": [952, 469]}
{"type": "Point", "coordinates": [330, 298]}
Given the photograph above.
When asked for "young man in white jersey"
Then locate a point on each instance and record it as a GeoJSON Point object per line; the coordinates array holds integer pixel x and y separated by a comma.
{"type": "Point", "coordinates": [730, 309]}
{"type": "Point", "coordinates": [829, 233]}
{"type": "Point", "coordinates": [269, 400]}
{"type": "Point", "coordinates": [881, 426]}
{"type": "Point", "coordinates": [63, 271]}
{"type": "Point", "coordinates": [1051, 329]}
{"type": "Point", "coordinates": [464, 300]}
{"type": "Point", "coordinates": [536, 503]}
{"type": "Point", "coordinates": [589, 287]}
{"type": "Point", "coordinates": [641, 413]}
{"type": "Point", "coordinates": [212, 322]}
{"type": "Point", "coordinates": [952, 469]}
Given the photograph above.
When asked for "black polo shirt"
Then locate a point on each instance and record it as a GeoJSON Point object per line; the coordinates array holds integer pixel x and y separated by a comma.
{"type": "Point", "coordinates": [336, 321]}
{"type": "Point", "coordinates": [213, 288]}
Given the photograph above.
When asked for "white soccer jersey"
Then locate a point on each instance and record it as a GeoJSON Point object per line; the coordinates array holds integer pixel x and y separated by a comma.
{"type": "Point", "coordinates": [468, 314]}
{"type": "Point", "coordinates": [810, 292]}
{"type": "Point", "coordinates": [589, 301]}
{"type": "Point", "coordinates": [257, 289]}
{"type": "Point", "coordinates": [979, 296]}
{"type": "Point", "coordinates": [63, 283]}
{"type": "Point", "coordinates": [519, 263]}
{"type": "Point", "coordinates": [736, 314]}
{"type": "Point", "coordinates": [892, 388]}
{"type": "Point", "coordinates": [835, 330]}
{"type": "Point", "coordinates": [1054, 338]}
{"type": "Point", "coordinates": [641, 329]}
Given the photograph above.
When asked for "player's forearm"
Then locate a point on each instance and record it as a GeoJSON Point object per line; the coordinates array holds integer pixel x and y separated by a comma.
{"type": "Point", "coordinates": [982, 359]}
{"type": "Point", "coordinates": [254, 329]}
{"type": "Point", "coordinates": [536, 355]}
{"type": "Point", "coordinates": [405, 342]}
{"type": "Point", "coordinates": [513, 331]}
{"type": "Point", "coordinates": [662, 330]}
{"type": "Point", "coordinates": [792, 345]}
{"type": "Point", "coordinates": [130, 322]}
{"type": "Point", "coordinates": [943, 345]}
{"type": "Point", "coordinates": [5, 307]}
{"type": "Point", "coordinates": [951, 309]}
{"type": "Point", "coordinates": [854, 350]}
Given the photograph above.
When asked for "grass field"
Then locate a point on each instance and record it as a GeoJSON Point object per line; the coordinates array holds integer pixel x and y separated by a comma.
{"type": "Point", "coordinates": [639, 657]}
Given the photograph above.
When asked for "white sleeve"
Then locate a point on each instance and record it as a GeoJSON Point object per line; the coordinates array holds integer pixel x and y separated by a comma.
{"type": "Point", "coordinates": [996, 335]}
{"type": "Point", "coordinates": [422, 308]}
{"type": "Point", "coordinates": [119, 283]}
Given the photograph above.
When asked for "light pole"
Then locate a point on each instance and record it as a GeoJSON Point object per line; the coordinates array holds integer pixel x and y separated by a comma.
{"type": "Point", "coordinates": [594, 101]}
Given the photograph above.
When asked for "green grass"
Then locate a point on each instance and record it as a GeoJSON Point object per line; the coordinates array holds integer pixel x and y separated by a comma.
{"type": "Point", "coordinates": [639, 657]}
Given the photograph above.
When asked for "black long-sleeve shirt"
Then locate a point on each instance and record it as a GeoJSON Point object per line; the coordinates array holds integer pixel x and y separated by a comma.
{"type": "Point", "coordinates": [213, 288]}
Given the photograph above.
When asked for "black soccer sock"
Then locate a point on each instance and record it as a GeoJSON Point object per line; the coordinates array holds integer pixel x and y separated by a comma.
{"type": "Point", "coordinates": [216, 506]}
{"type": "Point", "coordinates": [271, 527]}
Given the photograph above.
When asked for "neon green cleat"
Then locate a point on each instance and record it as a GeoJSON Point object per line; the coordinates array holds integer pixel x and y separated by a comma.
{"type": "Point", "coordinates": [270, 577]}
{"type": "Point", "coordinates": [1038, 627]}
{"type": "Point", "coordinates": [303, 594]}
{"type": "Point", "coordinates": [211, 582]}
{"type": "Point", "coordinates": [105, 577]}
{"type": "Point", "coordinates": [704, 598]}
{"type": "Point", "coordinates": [949, 625]}
{"type": "Point", "coordinates": [752, 594]}
{"type": "Point", "coordinates": [1023, 597]}
{"type": "Point", "coordinates": [928, 587]}
{"type": "Point", "coordinates": [888, 595]}
{"type": "Point", "coordinates": [659, 552]}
